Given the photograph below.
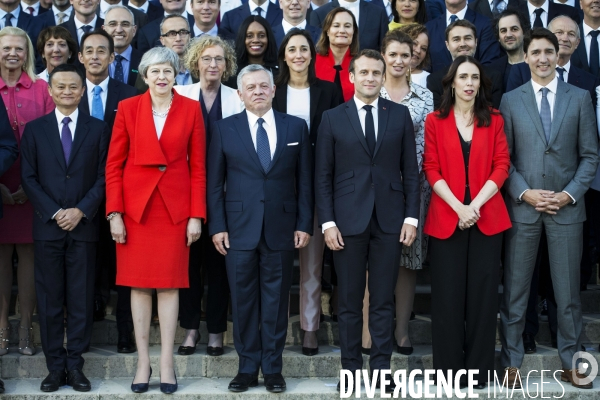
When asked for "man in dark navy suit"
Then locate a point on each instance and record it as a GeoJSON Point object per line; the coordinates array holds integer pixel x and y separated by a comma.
{"type": "Point", "coordinates": [101, 99]}
{"type": "Point", "coordinates": [264, 158]}
{"type": "Point", "coordinates": [295, 16]}
{"type": "Point", "coordinates": [63, 157]}
{"type": "Point", "coordinates": [232, 19]}
{"type": "Point", "coordinates": [119, 24]}
{"type": "Point", "coordinates": [367, 200]}
{"type": "Point", "coordinates": [587, 55]}
{"type": "Point", "coordinates": [8, 154]}
{"type": "Point", "coordinates": [488, 48]}
{"type": "Point", "coordinates": [59, 13]}
{"type": "Point", "coordinates": [83, 19]}
{"type": "Point", "coordinates": [151, 9]}
{"type": "Point", "coordinates": [372, 21]}
{"type": "Point", "coordinates": [11, 14]}
{"type": "Point", "coordinates": [140, 17]}
{"type": "Point", "coordinates": [541, 12]}
{"type": "Point", "coordinates": [205, 14]}
{"type": "Point", "coordinates": [149, 36]}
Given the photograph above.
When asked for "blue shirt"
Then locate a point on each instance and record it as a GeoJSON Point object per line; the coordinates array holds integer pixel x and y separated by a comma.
{"type": "Point", "coordinates": [13, 20]}
{"type": "Point", "coordinates": [184, 78]}
{"type": "Point", "coordinates": [125, 62]}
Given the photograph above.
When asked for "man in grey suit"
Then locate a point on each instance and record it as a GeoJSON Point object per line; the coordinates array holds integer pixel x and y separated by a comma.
{"type": "Point", "coordinates": [552, 138]}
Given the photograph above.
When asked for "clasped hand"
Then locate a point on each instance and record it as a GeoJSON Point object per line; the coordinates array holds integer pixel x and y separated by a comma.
{"type": "Point", "coordinates": [468, 215]}
{"type": "Point", "coordinates": [546, 200]}
{"type": "Point", "coordinates": [68, 219]}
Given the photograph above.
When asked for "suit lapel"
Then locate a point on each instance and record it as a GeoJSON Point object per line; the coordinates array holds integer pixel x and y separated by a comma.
{"type": "Point", "coordinates": [561, 103]}
{"type": "Point", "coordinates": [281, 98]}
{"type": "Point", "coordinates": [530, 105]}
{"type": "Point", "coordinates": [352, 113]}
{"type": "Point", "coordinates": [363, 15]}
{"type": "Point", "coordinates": [242, 128]}
{"type": "Point", "coordinates": [112, 100]}
{"type": "Point", "coordinates": [53, 134]}
{"type": "Point", "coordinates": [81, 130]}
{"type": "Point", "coordinates": [315, 95]}
{"type": "Point", "coordinates": [382, 118]}
{"type": "Point", "coordinates": [281, 125]}
{"type": "Point", "coordinates": [581, 52]}
{"type": "Point", "coordinates": [84, 105]}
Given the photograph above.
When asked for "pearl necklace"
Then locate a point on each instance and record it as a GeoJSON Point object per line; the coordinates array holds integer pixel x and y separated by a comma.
{"type": "Point", "coordinates": [164, 114]}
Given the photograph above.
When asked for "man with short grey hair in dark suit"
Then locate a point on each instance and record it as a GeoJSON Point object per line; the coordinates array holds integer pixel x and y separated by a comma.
{"type": "Point", "coordinates": [552, 138]}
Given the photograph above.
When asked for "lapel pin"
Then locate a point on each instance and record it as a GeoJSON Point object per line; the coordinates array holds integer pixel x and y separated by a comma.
{"type": "Point", "coordinates": [384, 108]}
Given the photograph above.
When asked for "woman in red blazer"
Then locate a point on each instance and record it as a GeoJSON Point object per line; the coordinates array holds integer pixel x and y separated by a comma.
{"type": "Point", "coordinates": [155, 199]}
{"type": "Point", "coordinates": [466, 161]}
{"type": "Point", "coordinates": [336, 47]}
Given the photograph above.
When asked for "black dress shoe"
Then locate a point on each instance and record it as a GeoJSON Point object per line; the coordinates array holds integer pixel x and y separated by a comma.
{"type": "Point", "coordinates": [1, 386]}
{"type": "Point", "coordinates": [99, 311]}
{"type": "Point", "coordinates": [214, 351]}
{"type": "Point", "coordinates": [169, 388]}
{"type": "Point", "coordinates": [529, 343]}
{"type": "Point", "coordinates": [77, 380]}
{"type": "Point", "coordinates": [365, 351]}
{"type": "Point", "coordinates": [308, 351]}
{"type": "Point", "coordinates": [242, 382]}
{"type": "Point", "coordinates": [53, 381]}
{"type": "Point", "coordinates": [274, 383]}
{"type": "Point", "coordinates": [334, 317]}
{"type": "Point", "coordinates": [125, 344]}
{"type": "Point", "coordinates": [141, 387]}
{"type": "Point", "coordinates": [407, 351]}
{"type": "Point", "coordinates": [188, 350]}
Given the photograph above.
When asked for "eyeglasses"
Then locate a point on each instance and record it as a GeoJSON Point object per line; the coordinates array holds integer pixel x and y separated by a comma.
{"type": "Point", "coordinates": [208, 60]}
{"type": "Point", "coordinates": [123, 24]}
{"type": "Point", "coordinates": [173, 34]}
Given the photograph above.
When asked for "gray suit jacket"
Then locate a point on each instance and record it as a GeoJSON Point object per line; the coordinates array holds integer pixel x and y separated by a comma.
{"type": "Point", "coordinates": [568, 162]}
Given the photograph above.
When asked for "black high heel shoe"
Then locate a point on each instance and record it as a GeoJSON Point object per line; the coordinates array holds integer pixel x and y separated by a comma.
{"type": "Point", "coordinates": [141, 387]}
{"type": "Point", "coordinates": [169, 388]}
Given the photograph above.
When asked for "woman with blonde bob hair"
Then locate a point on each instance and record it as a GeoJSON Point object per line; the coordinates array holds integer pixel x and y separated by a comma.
{"type": "Point", "coordinates": [26, 98]}
{"type": "Point", "coordinates": [212, 61]}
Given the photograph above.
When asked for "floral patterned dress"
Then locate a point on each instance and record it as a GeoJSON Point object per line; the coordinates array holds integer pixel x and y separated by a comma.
{"type": "Point", "coordinates": [420, 103]}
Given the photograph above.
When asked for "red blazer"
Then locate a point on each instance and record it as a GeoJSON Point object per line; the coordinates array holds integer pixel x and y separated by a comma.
{"type": "Point", "coordinates": [138, 162]}
{"type": "Point", "coordinates": [443, 159]}
{"type": "Point", "coordinates": [324, 69]}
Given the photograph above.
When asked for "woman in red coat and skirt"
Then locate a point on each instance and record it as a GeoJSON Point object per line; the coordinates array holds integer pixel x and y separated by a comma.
{"type": "Point", "coordinates": [155, 199]}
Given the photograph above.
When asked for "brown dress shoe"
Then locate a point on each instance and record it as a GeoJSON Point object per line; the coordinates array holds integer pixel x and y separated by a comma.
{"type": "Point", "coordinates": [575, 379]}
{"type": "Point", "coordinates": [512, 376]}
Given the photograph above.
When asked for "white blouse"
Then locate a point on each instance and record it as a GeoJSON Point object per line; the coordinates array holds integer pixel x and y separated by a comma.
{"type": "Point", "coordinates": [298, 103]}
{"type": "Point", "coordinates": [159, 124]}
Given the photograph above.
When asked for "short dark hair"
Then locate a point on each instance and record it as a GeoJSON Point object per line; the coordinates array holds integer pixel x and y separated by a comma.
{"type": "Point", "coordinates": [99, 32]}
{"type": "Point", "coordinates": [421, 16]}
{"type": "Point", "coordinates": [66, 68]}
{"type": "Point", "coordinates": [368, 53]}
{"type": "Point", "coordinates": [396, 36]}
{"type": "Point", "coordinates": [524, 22]}
{"type": "Point", "coordinates": [57, 32]}
{"type": "Point", "coordinates": [540, 33]}
{"type": "Point", "coordinates": [284, 71]}
{"type": "Point", "coordinates": [465, 24]}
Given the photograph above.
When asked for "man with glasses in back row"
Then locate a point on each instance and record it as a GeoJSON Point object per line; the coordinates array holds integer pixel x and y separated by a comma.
{"type": "Point", "coordinates": [119, 24]}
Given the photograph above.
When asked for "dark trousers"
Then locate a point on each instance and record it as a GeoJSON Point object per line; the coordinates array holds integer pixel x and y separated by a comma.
{"type": "Point", "coordinates": [64, 276]}
{"type": "Point", "coordinates": [379, 251]}
{"type": "Point", "coordinates": [260, 282]}
{"type": "Point", "coordinates": [204, 256]}
{"type": "Point", "coordinates": [464, 300]}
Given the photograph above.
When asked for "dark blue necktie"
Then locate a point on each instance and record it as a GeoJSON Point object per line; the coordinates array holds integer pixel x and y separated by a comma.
{"type": "Point", "coordinates": [119, 76]}
{"type": "Point", "coordinates": [453, 19]}
{"type": "Point", "coordinates": [259, 11]}
{"type": "Point", "coordinates": [545, 114]}
{"type": "Point", "coordinates": [262, 146]}
{"type": "Point", "coordinates": [561, 72]}
{"type": "Point", "coordinates": [86, 28]}
{"type": "Point", "coordinates": [537, 23]}
{"type": "Point", "coordinates": [370, 129]}
{"type": "Point", "coordinates": [594, 53]}
{"type": "Point", "coordinates": [8, 17]}
{"type": "Point", "coordinates": [66, 138]}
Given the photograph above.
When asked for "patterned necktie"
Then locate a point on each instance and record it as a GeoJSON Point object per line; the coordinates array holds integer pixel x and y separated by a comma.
{"type": "Point", "coordinates": [453, 18]}
{"type": "Point", "coordinates": [594, 53]}
{"type": "Point", "coordinates": [262, 146]}
{"type": "Point", "coordinates": [537, 23]}
{"type": "Point", "coordinates": [61, 17]}
{"type": "Point", "coordinates": [561, 72]}
{"type": "Point", "coordinates": [119, 76]}
{"type": "Point", "coordinates": [66, 138]}
{"type": "Point", "coordinates": [370, 129]}
{"type": "Point", "coordinates": [97, 109]}
{"type": "Point", "coordinates": [8, 17]}
{"type": "Point", "coordinates": [545, 114]}
{"type": "Point", "coordinates": [31, 10]}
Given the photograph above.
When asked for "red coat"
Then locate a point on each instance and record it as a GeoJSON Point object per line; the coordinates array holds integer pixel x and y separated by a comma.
{"type": "Point", "coordinates": [443, 159]}
{"type": "Point", "coordinates": [138, 163]}
{"type": "Point", "coordinates": [324, 69]}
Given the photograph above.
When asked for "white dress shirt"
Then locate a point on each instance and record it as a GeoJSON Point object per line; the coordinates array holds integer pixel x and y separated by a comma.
{"type": "Point", "coordinates": [36, 8]}
{"type": "Point", "coordinates": [143, 8]}
{"type": "Point", "coordinates": [460, 15]}
{"type": "Point", "coordinates": [287, 26]}
{"type": "Point", "coordinates": [362, 114]}
{"type": "Point", "coordinates": [567, 68]}
{"type": "Point", "coordinates": [501, 5]}
{"type": "Point", "coordinates": [13, 20]}
{"type": "Point", "coordinates": [59, 118]}
{"type": "Point", "coordinates": [214, 31]}
{"type": "Point", "coordinates": [159, 124]}
{"type": "Point", "coordinates": [254, 6]}
{"type": "Point", "coordinates": [103, 94]}
{"type": "Point", "coordinates": [269, 126]}
{"type": "Point", "coordinates": [104, 6]}
{"type": "Point", "coordinates": [388, 8]}
{"type": "Point", "coordinates": [79, 24]}
{"type": "Point", "coordinates": [298, 103]}
{"type": "Point", "coordinates": [56, 11]}
{"type": "Point", "coordinates": [353, 7]}
{"type": "Point", "coordinates": [531, 8]}
{"type": "Point", "coordinates": [44, 75]}
{"type": "Point", "coordinates": [587, 39]}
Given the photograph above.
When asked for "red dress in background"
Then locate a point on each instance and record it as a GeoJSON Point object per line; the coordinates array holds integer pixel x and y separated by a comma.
{"type": "Point", "coordinates": [24, 102]}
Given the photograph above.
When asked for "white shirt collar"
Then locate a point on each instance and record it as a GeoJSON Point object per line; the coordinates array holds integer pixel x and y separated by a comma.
{"type": "Point", "coordinates": [360, 104]}
{"type": "Point", "coordinates": [587, 29]}
{"type": "Point", "coordinates": [566, 67]}
{"type": "Point", "coordinates": [552, 86]}
{"type": "Point", "coordinates": [287, 26]}
{"type": "Point", "coordinates": [461, 14]}
{"type": "Point", "coordinates": [36, 7]}
{"type": "Point", "coordinates": [143, 7]}
{"type": "Point", "coordinates": [15, 13]}
{"type": "Point", "coordinates": [348, 4]}
{"type": "Point", "coordinates": [103, 85]}
{"type": "Point", "coordinates": [105, 6]}
{"type": "Point", "coordinates": [214, 31]}
{"type": "Point", "coordinates": [68, 11]}
{"type": "Point", "coordinates": [269, 117]}
{"type": "Point", "coordinates": [264, 6]}
{"type": "Point", "coordinates": [79, 24]}
{"type": "Point", "coordinates": [184, 14]}
{"type": "Point", "coordinates": [531, 8]}
{"type": "Point", "coordinates": [60, 116]}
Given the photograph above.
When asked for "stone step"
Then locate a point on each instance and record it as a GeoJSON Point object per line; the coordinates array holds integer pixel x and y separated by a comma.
{"type": "Point", "coordinates": [297, 389]}
{"type": "Point", "coordinates": [105, 363]}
